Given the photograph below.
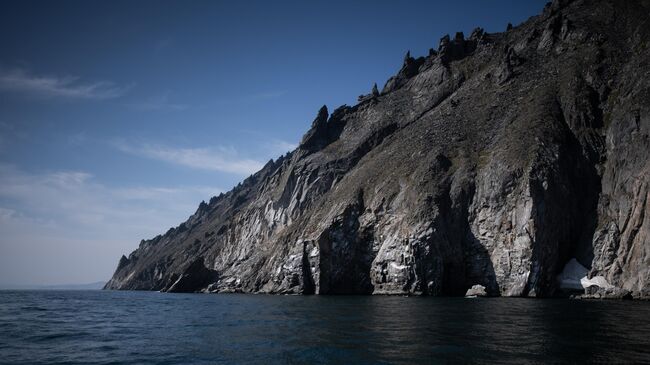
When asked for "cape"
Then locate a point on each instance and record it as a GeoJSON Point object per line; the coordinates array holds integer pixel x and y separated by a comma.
{"type": "Point", "coordinates": [514, 162]}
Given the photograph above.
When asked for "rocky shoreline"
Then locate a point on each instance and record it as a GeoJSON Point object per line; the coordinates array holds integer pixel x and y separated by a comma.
{"type": "Point", "coordinates": [516, 161]}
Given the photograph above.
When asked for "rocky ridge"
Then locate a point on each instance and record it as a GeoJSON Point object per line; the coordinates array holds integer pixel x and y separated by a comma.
{"type": "Point", "coordinates": [495, 160]}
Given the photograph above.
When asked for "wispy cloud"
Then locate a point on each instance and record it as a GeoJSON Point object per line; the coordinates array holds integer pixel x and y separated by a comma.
{"type": "Point", "coordinates": [221, 159]}
{"type": "Point", "coordinates": [74, 228]}
{"type": "Point", "coordinates": [6, 214]}
{"type": "Point", "coordinates": [160, 102]}
{"type": "Point", "coordinates": [59, 86]}
{"type": "Point", "coordinates": [76, 139]}
{"type": "Point", "coordinates": [279, 147]}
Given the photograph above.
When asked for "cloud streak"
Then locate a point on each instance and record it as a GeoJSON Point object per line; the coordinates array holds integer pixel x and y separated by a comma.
{"type": "Point", "coordinates": [73, 227]}
{"type": "Point", "coordinates": [280, 147]}
{"type": "Point", "coordinates": [220, 159]}
{"type": "Point", "coordinates": [70, 87]}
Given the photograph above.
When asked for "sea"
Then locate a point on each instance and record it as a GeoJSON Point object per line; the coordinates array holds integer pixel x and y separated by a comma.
{"type": "Point", "coordinates": [122, 327]}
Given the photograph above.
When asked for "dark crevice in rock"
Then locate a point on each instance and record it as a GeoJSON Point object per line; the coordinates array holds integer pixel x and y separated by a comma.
{"type": "Point", "coordinates": [565, 195]}
{"type": "Point", "coordinates": [308, 286]}
{"type": "Point", "coordinates": [346, 254]}
{"type": "Point", "coordinates": [478, 266]}
{"type": "Point", "coordinates": [194, 278]}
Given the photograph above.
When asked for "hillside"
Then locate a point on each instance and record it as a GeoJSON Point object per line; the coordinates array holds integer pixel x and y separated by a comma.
{"type": "Point", "coordinates": [495, 160]}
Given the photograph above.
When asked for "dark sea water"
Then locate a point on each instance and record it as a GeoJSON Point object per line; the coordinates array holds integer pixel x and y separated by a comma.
{"type": "Point", "coordinates": [106, 327]}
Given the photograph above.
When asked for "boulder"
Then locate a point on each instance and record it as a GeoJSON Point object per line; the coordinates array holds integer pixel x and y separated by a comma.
{"type": "Point", "coordinates": [596, 292]}
{"type": "Point", "coordinates": [476, 291]}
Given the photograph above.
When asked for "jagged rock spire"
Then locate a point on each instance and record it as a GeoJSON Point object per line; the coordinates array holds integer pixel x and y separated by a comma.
{"type": "Point", "coordinates": [444, 43]}
{"type": "Point", "coordinates": [443, 49]}
{"type": "Point", "coordinates": [373, 94]}
{"type": "Point", "coordinates": [477, 34]}
{"type": "Point", "coordinates": [321, 117]}
{"type": "Point", "coordinates": [408, 60]}
{"type": "Point", "coordinates": [203, 206]}
{"type": "Point", "coordinates": [458, 47]}
{"type": "Point", "coordinates": [315, 136]}
{"type": "Point", "coordinates": [123, 262]}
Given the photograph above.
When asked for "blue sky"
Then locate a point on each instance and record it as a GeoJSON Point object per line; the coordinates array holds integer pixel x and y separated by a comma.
{"type": "Point", "coordinates": [118, 117]}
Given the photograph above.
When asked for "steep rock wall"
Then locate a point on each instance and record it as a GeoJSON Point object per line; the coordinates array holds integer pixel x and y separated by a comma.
{"type": "Point", "coordinates": [494, 161]}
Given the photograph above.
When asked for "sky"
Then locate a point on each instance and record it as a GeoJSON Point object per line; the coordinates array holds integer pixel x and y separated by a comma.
{"type": "Point", "coordinates": [117, 118]}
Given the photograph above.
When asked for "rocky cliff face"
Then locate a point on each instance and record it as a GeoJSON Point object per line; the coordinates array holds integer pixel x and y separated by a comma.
{"type": "Point", "coordinates": [493, 161]}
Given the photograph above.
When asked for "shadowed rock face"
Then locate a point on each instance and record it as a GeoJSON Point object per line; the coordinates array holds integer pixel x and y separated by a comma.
{"type": "Point", "coordinates": [196, 277]}
{"type": "Point", "coordinates": [492, 162]}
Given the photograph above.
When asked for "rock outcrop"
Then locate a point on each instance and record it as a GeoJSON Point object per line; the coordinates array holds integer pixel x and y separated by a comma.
{"type": "Point", "coordinates": [494, 161]}
{"type": "Point", "coordinates": [476, 291]}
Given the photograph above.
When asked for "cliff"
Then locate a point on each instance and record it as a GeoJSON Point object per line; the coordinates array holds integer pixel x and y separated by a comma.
{"type": "Point", "coordinates": [493, 161]}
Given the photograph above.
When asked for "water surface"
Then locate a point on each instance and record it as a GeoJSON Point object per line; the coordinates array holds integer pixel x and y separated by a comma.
{"type": "Point", "coordinates": [109, 327]}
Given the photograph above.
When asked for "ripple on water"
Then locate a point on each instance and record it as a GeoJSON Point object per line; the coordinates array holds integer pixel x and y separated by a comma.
{"type": "Point", "coordinates": [140, 327]}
